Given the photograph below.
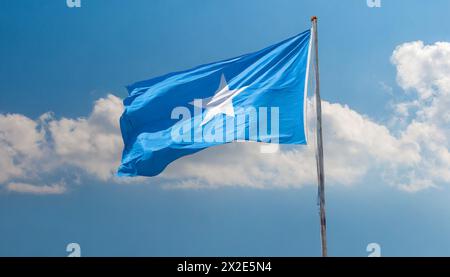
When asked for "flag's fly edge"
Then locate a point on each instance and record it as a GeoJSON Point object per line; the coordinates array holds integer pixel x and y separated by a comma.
{"type": "Point", "coordinates": [305, 92]}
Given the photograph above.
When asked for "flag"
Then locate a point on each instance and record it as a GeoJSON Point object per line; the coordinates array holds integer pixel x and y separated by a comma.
{"type": "Point", "coordinates": [258, 97]}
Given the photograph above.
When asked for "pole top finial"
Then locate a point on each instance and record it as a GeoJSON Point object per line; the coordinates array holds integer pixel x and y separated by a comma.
{"type": "Point", "coordinates": [313, 18]}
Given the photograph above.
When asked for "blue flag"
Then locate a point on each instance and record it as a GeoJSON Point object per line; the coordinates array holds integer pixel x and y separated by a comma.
{"type": "Point", "coordinates": [254, 97]}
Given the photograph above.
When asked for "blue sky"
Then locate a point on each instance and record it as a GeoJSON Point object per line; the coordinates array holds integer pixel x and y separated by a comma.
{"type": "Point", "coordinates": [63, 60]}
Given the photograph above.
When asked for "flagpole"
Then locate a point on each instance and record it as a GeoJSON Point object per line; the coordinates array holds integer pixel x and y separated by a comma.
{"type": "Point", "coordinates": [319, 155]}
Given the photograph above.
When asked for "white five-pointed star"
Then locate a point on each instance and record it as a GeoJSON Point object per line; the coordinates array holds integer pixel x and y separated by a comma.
{"type": "Point", "coordinates": [221, 102]}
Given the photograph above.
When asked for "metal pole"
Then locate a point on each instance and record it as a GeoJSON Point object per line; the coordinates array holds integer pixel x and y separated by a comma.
{"type": "Point", "coordinates": [319, 157]}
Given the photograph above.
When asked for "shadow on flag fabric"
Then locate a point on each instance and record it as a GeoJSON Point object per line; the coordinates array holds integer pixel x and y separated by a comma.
{"type": "Point", "coordinates": [257, 97]}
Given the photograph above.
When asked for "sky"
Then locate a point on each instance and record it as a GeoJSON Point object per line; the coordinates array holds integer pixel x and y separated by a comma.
{"type": "Point", "coordinates": [385, 86]}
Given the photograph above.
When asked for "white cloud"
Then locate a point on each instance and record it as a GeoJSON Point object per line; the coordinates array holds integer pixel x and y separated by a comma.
{"type": "Point", "coordinates": [94, 143]}
{"type": "Point", "coordinates": [36, 189]}
{"type": "Point", "coordinates": [423, 68]}
{"type": "Point", "coordinates": [425, 71]}
{"type": "Point", "coordinates": [34, 149]}
{"type": "Point", "coordinates": [20, 144]}
{"type": "Point", "coordinates": [412, 154]}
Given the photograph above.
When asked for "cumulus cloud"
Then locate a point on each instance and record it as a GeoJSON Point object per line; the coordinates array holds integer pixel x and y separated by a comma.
{"type": "Point", "coordinates": [94, 143]}
{"type": "Point", "coordinates": [39, 149]}
{"type": "Point", "coordinates": [424, 71]}
{"type": "Point", "coordinates": [412, 154]}
{"type": "Point", "coordinates": [20, 144]}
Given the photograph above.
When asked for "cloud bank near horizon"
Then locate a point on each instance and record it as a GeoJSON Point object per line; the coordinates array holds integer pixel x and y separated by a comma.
{"type": "Point", "coordinates": [49, 155]}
